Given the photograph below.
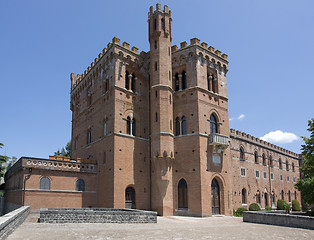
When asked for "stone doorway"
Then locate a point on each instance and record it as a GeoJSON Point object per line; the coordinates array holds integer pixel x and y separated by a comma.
{"type": "Point", "coordinates": [130, 198]}
{"type": "Point", "coordinates": [215, 197]}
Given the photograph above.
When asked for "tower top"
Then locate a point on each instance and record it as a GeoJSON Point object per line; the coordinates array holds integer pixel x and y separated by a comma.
{"type": "Point", "coordinates": [152, 11]}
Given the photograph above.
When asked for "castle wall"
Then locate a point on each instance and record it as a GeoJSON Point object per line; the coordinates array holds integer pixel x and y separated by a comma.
{"type": "Point", "coordinates": [264, 185]}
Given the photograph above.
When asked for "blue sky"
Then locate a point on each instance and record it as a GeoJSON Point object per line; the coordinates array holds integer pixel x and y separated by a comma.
{"type": "Point", "coordinates": [269, 43]}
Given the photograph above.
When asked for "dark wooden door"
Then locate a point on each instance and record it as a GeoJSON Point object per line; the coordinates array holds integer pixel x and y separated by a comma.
{"type": "Point", "coordinates": [130, 198]}
{"type": "Point", "coordinates": [215, 198]}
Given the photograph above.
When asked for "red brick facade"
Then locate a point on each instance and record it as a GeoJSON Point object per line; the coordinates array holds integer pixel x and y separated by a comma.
{"type": "Point", "coordinates": [156, 125]}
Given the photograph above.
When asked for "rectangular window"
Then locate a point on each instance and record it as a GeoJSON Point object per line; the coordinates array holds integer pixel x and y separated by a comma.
{"type": "Point", "coordinates": [271, 176]}
{"type": "Point", "coordinates": [294, 180]}
{"type": "Point", "coordinates": [281, 178]}
{"type": "Point", "coordinates": [265, 175]}
{"type": "Point", "coordinates": [288, 178]}
{"type": "Point", "coordinates": [257, 174]}
{"type": "Point", "coordinates": [155, 66]}
{"type": "Point", "coordinates": [104, 158]}
{"type": "Point", "coordinates": [242, 172]}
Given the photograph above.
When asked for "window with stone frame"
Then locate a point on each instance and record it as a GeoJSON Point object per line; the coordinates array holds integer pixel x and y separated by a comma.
{"type": "Point", "coordinates": [255, 157]}
{"type": "Point", "coordinates": [244, 197]}
{"type": "Point", "coordinates": [243, 173]}
{"type": "Point", "coordinates": [45, 183]}
{"type": "Point", "coordinates": [213, 124]}
{"type": "Point", "coordinates": [264, 159]}
{"type": "Point", "coordinates": [242, 156]}
{"type": "Point", "coordinates": [80, 185]}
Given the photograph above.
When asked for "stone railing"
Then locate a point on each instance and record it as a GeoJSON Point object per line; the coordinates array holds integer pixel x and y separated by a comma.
{"type": "Point", "coordinates": [219, 139]}
{"type": "Point", "coordinates": [10, 221]}
{"type": "Point", "coordinates": [96, 215]}
{"type": "Point", "coordinates": [280, 219]}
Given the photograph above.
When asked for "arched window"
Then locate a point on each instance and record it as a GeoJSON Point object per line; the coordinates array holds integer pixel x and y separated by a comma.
{"type": "Point", "coordinates": [133, 127]}
{"type": "Point", "coordinates": [183, 126]}
{"type": "Point", "coordinates": [176, 78]}
{"type": "Point", "coordinates": [270, 161]}
{"type": "Point", "coordinates": [209, 82]}
{"type": "Point", "coordinates": [177, 126]}
{"type": "Point", "coordinates": [282, 195]}
{"type": "Point", "coordinates": [133, 83]}
{"type": "Point", "coordinates": [289, 196]}
{"type": "Point", "coordinates": [243, 196]}
{"type": "Point", "coordinates": [183, 80]}
{"type": "Point", "coordinates": [105, 127]}
{"type": "Point", "coordinates": [280, 163]}
{"type": "Point", "coordinates": [182, 194]}
{"type": "Point", "coordinates": [130, 198]}
{"type": "Point", "coordinates": [127, 80]}
{"type": "Point", "coordinates": [264, 159]}
{"type": "Point", "coordinates": [258, 197]}
{"type": "Point", "coordinates": [45, 183]}
{"type": "Point", "coordinates": [242, 157]}
{"type": "Point", "coordinates": [163, 24]}
{"type": "Point", "coordinates": [214, 83]}
{"type": "Point", "coordinates": [255, 157]}
{"type": "Point", "coordinates": [292, 165]}
{"type": "Point", "coordinates": [128, 125]}
{"type": "Point", "coordinates": [80, 185]}
{"type": "Point", "coordinates": [89, 136]}
{"type": "Point", "coordinates": [213, 124]}
{"type": "Point", "coordinates": [287, 165]}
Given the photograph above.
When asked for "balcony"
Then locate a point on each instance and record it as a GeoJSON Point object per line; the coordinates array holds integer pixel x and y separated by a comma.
{"type": "Point", "coordinates": [218, 141]}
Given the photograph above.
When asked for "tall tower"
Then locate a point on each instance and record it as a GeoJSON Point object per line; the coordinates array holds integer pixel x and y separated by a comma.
{"type": "Point", "coordinates": [161, 110]}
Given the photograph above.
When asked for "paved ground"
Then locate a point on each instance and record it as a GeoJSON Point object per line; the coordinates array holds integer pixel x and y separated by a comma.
{"type": "Point", "coordinates": [166, 228]}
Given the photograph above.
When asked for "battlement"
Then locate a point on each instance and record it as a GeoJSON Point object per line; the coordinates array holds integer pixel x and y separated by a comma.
{"type": "Point", "coordinates": [255, 140]}
{"type": "Point", "coordinates": [76, 79]}
{"type": "Point", "coordinates": [196, 41]}
{"type": "Point", "coordinates": [152, 11]}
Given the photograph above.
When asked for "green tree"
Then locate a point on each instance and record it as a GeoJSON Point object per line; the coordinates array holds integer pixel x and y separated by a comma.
{"type": "Point", "coordinates": [65, 152]}
{"type": "Point", "coordinates": [3, 159]}
{"type": "Point", "coordinates": [306, 183]}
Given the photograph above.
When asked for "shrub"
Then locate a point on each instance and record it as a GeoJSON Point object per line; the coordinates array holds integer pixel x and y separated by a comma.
{"type": "Point", "coordinates": [283, 205]}
{"type": "Point", "coordinates": [296, 205]}
{"type": "Point", "coordinates": [240, 211]}
{"type": "Point", "coordinates": [268, 208]}
{"type": "Point", "coordinates": [254, 207]}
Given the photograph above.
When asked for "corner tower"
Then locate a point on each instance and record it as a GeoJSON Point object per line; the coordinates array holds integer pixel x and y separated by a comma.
{"type": "Point", "coordinates": [161, 109]}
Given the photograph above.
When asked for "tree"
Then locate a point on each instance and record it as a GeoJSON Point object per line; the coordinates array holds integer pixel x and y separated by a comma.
{"type": "Point", "coordinates": [65, 152]}
{"type": "Point", "coordinates": [306, 183]}
{"type": "Point", "coordinates": [3, 159]}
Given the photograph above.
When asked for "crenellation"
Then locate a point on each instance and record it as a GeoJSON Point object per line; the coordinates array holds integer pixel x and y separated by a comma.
{"type": "Point", "coordinates": [183, 44]}
{"type": "Point", "coordinates": [116, 40]}
{"type": "Point", "coordinates": [211, 49]}
{"type": "Point", "coordinates": [174, 48]}
{"type": "Point", "coordinates": [262, 142]}
{"type": "Point", "coordinates": [126, 45]}
{"type": "Point", "coordinates": [135, 49]}
{"type": "Point", "coordinates": [225, 56]}
{"type": "Point", "coordinates": [195, 41]}
{"type": "Point", "coordinates": [204, 45]}
{"type": "Point", "coordinates": [218, 53]}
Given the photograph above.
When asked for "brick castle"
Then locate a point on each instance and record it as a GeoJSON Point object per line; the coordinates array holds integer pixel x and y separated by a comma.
{"type": "Point", "coordinates": [150, 130]}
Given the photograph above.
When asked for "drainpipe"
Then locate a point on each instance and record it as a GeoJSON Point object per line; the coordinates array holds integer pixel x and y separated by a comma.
{"type": "Point", "coordinates": [24, 183]}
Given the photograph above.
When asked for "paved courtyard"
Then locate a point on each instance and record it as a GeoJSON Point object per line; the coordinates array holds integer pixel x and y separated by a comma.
{"type": "Point", "coordinates": [166, 228]}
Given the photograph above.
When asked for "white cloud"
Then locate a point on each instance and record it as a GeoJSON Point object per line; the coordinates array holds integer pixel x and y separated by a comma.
{"type": "Point", "coordinates": [280, 137]}
{"type": "Point", "coordinates": [241, 116]}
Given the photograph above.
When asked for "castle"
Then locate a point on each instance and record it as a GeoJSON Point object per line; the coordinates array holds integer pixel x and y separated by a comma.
{"type": "Point", "coordinates": [150, 130]}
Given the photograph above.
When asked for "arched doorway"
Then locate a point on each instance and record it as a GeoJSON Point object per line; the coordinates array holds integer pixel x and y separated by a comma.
{"type": "Point", "coordinates": [266, 199]}
{"type": "Point", "coordinates": [182, 194]}
{"type": "Point", "coordinates": [130, 198]}
{"type": "Point", "coordinates": [215, 197]}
